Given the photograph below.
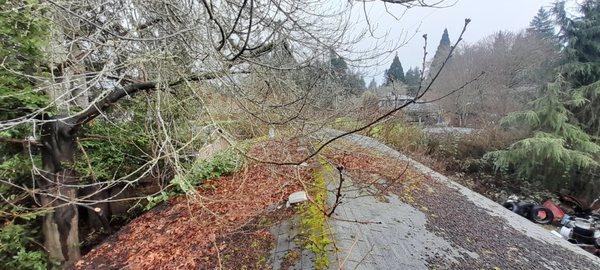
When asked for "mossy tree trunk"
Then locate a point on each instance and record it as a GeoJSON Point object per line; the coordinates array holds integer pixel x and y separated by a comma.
{"type": "Point", "coordinates": [60, 226]}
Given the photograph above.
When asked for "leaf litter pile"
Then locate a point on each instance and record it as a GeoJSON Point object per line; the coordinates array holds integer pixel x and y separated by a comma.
{"type": "Point", "coordinates": [386, 174]}
{"type": "Point", "coordinates": [225, 224]}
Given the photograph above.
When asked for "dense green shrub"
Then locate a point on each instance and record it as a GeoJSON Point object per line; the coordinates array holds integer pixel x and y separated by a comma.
{"type": "Point", "coordinates": [401, 135]}
{"type": "Point", "coordinates": [455, 152]}
{"type": "Point", "coordinates": [112, 151]}
{"type": "Point", "coordinates": [222, 163]}
{"type": "Point", "coordinates": [23, 34]}
{"type": "Point", "coordinates": [558, 148]}
{"type": "Point", "coordinates": [16, 250]}
{"type": "Point", "coordinates": [346, 123]}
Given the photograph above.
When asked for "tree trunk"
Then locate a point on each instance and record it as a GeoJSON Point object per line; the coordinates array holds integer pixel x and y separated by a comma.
{"type": "Point", "coordinates": [60, 226]}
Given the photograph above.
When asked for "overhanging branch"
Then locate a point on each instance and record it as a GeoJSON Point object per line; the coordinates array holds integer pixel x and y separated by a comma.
{"type": "Point", "coordinates": [20, 141]}
{"type": "Point", "coordinates": [118, 93]}
{"type": "Point", "coordinates": [391, 112]}
{"type": "Point", "coordinates": [414, 3]}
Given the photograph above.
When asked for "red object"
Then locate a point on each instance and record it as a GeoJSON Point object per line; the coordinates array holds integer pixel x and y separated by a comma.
{"type": "Point", "coordinates": [541, 214]}
{"type": "Point", "coordinates": [558, 213]}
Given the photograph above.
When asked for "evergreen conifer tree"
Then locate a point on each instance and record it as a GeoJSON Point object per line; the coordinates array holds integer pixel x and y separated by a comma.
{"type": "Point", "coordinates": [413, 80]}
{"type": "Point", "coordinates": [338, 64]}
{"type": "Point", "coordinates": [372, 84]}
{"type": "Point", "coordinates": [440, 54]}
{"type": "Point", "coordinates": [558, 148]}
{"type": "Point", "coordinates": [542, 24]}
{"type": "Point", "coordinates": [21, 38]}
{"type": "Point", "coordinates": [353, 83]}
{"type": "Point", "coordinates": [582, 70]}
{"type": "Point", "coordinates": [23, 34]}
{"type": "Point", "coordinates": [564, 148]}
{"type": "Point", "coordinates": [395, 73]}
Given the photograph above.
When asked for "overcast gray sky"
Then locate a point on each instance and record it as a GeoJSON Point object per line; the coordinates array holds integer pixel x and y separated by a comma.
{"type": "Point", "coordinates": [488, 17]}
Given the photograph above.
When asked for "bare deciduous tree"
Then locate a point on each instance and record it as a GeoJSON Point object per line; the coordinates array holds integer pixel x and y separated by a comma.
{"type": "Point", "coordinates": [513, 65]}
{"type": "Point", "coordinates": [103, 52]}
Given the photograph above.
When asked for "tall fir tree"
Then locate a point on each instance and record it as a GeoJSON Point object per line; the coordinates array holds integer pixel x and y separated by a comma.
{"type": "Point", "coordinates": [558, 148]}
{"type": "Point", "coordinates": [445, 40]}
{"type": "Point", "coordinates": [440, 54]}
{"type": "Point", "coordinates": [372, 84]}
{"type": "Point", "coordinates": [413, 81]}
{"type": "Point", "coordinates": [355, 83]}
{"type": "Point", "coordinates": [338, 64]}
{"type": "Point", "coordinates": [563, 151]}
{"type": "Point", "coordinates": [352, 83]}
{"type": "Point", "coordinates": [582, 69]}
{"type": "Point", "coordinates": [542, 24]}
{"type": "Point", "coordinates": [395, 73]}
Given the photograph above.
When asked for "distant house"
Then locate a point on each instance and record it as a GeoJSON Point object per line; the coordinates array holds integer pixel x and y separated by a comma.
{"type": "Point", "coordinates": [419, 111]}
{"type": "Point", "coordinates": [393, 101]}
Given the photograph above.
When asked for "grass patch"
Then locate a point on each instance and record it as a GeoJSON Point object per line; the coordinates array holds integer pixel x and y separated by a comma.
{"type": "Point", "coordinates": [346, 123]}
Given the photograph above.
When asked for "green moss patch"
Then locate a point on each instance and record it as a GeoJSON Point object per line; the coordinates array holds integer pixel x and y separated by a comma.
{"type": "Point", "coordinates": [313, 218]}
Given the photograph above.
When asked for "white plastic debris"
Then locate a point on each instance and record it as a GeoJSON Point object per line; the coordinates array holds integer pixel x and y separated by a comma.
{"type": "Point", "coordinates": [557, 234]}
{"type": "Point", "coordinates": [566, 232]}
{"type": "Point", "coordinates": [296, 197]}
{"type": "Point", "coordinates": [271, 133]}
